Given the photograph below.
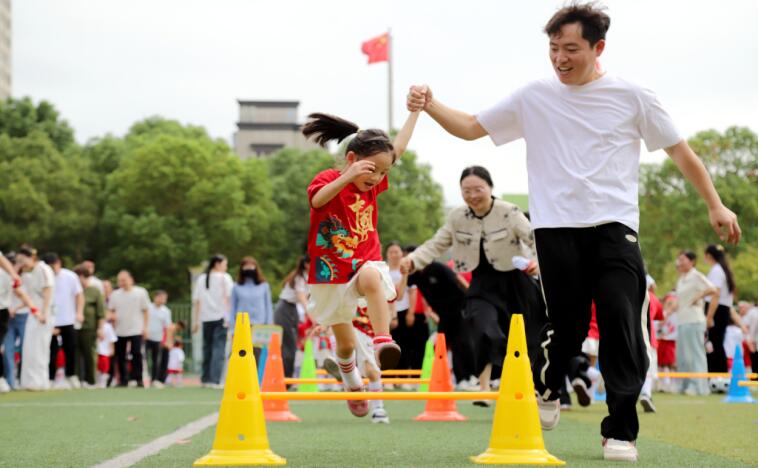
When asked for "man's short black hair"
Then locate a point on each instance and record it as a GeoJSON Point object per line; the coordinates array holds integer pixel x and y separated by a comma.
{"type": "Point", "coordinates": [594, 21]}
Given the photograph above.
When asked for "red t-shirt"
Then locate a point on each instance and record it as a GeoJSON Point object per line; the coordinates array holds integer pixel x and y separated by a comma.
{"type": "Point", "coordinates": [656, 313]}
{"type": "Point", "coordinates": [343, 233]}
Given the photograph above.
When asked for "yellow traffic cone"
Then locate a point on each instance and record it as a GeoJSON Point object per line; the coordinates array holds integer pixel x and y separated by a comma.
{"type": "Point", "coordinates": [241, 438]}
{"type": "Point", "coordinates": [516, 433]}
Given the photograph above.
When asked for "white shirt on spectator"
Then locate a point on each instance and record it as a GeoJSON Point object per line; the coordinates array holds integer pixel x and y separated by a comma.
{"type": "Point", "coordinates": [717, 276]}
{"type": "Point", "coordinates": [129, 307]}
{"type": "Point", "coordinates": [39, 278]}
{"type": "Point", "coordinates": [404, 302]}
{"type": "Point", "coordinates": [582, 147]}
{"type": "Point", "coordinates": [289, 293]}
{"type": "Point", "coordinates": [109, 337]}
{"type": "Point", "coordinates": [689, 286]}
{"type": "Point", "coordinates": [176, 359]}
{"type": "Point", "coordinates": [6, 290]}
{"type": "Point", "coordinates": [96, 282]}
{"type": "Point", "coordinates": [214, 299]}
{"type": "Point", "coordinates": [158, 319]}
{"type": "Point", "coordinates": [67, 286]}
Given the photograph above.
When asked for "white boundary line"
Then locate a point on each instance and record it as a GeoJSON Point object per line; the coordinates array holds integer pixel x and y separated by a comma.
{"type": "Point", "coordinates": [161, 443]}
{"type": "Point", "coordinates": [105, 403]}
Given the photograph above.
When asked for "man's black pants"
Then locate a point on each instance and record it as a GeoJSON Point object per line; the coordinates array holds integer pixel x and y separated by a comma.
{"type": "Point", "coordinates": [604, 264]}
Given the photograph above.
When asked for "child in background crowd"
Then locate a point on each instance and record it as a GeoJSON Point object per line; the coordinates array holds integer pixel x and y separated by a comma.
{"type": "Point", "coordinates": [667, 342]}
{"type": "Point", "coordinates": [176, 365]}
{"type": "Point", "coordinates": [106, 339]}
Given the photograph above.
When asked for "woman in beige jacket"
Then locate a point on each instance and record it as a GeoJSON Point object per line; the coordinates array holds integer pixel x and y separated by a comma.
{"type": "Point", "coordinates": [486, 235]}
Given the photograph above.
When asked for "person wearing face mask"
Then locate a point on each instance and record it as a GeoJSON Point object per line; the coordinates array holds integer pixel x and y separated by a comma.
{"type": "Point", "coordinates": [252, 294]}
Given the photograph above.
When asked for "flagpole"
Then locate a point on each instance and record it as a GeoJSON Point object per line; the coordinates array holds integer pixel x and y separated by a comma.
{"type": "Point", "coordinates": [389, 80]}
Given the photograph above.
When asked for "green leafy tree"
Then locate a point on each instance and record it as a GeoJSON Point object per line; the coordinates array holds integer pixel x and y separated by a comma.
{"type": "Point", "coordinates": [44, 197]}
{"type": "Point", "coordinates": [673, 217]}
{"type": "Point", "coordinates": [176, 197]}
{"type": "Point", "coordinates": [21, 117]}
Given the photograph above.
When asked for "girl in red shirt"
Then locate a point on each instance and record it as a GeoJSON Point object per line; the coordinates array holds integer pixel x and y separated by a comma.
{"type": "Point", "coordinates": [346, 268]}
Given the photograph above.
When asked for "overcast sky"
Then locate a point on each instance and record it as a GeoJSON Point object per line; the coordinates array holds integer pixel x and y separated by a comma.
{"type": "Point", "coordinates": [106, 64]}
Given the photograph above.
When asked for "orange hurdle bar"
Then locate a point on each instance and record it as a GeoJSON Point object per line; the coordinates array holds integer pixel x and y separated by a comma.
{"type": "Point", "coordinates": [699, 375]}
{"type": "Point", "coordinates": [326, 396]}
{"type": "Point", "coordinates": [334, 381]}
{"type": "Point", "coordinates": [748, 383]}
{"type": "Point", "coordinates": [410, 372]}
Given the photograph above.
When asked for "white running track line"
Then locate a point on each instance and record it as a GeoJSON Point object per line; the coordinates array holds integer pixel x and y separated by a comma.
{"type": "Point", "coordinates": [161, 443]}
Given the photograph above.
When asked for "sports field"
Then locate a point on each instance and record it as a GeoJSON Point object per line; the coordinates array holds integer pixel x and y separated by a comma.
{"type": "Point", "coordinates": [86, 427]}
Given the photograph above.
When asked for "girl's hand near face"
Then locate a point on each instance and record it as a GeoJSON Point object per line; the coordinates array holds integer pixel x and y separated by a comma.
{"type": "Point", "coordinates": [358, 169]}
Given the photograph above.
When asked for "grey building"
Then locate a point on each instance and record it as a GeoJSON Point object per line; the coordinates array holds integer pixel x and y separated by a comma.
{"type": "Point", "coordinates": [5, 49]}
{"type": "Point", "coordinates": [265, 127]}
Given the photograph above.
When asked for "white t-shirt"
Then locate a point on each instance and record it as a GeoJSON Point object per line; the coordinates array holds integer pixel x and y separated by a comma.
{"type": "Point", "coordinates": [109, 337]}
{"type": "Point", "coordinates": [582, 146]}
{"type": "Point", "coordinates": [289, 293]}
{"type": "Point", "coordinates": [6, 290]}
{"type": "Point", "coordinates": [67, 286]}
{"type": "Point", "coordinates": [129, 307]}
{"type": "Point", "coordinates": [717, 276]}
{"type": "Point", "coordinates": [176, 359]}
{"type": "Point", "coordinates": [689, 286]}
{"type": "Point", "coordinates": [214, 300]}
{"type": "Point", "coordinates": [158, 319]}
{"type": "Point", "coordinates": [751, 322]}
{"type": "Point", "coordinates": [404, 303]}
{"type": "Point", "coordinates": [39, 278]}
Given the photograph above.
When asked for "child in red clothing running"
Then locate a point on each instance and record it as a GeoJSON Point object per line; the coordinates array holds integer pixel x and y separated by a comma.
{"type": "Point", "coordinates": [346, 259]}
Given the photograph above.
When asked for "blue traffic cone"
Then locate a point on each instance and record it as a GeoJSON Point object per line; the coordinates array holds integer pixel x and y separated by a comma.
{"type": "Point", "coordinates": [262, 363]}
{"type": "Point", "coordinates": [736, 393]}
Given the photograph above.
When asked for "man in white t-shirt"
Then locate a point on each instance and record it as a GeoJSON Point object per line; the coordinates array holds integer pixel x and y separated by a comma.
{"type": "Point", "coordinates": [68, 301]}
{"type": "Point", "coordinates": [129, 304]}
{"type": "Point", "coordinates": [156, 345]}
{"type": "Point", "coordinates": [583, 130]}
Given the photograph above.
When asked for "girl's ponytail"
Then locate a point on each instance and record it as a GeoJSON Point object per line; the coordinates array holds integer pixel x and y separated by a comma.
{"type": "Point", "coordinates": [325, 128]}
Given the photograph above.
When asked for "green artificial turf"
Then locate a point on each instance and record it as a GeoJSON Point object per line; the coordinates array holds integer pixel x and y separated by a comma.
{"type": "Point", "coordinates": [80, 428]}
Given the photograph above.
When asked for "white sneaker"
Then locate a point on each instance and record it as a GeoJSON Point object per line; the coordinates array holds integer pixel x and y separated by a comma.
{"type": "Point", "coordinates": [647, 404]}
{"type": "Point", "coordinates": [60, 385]}
{"type": "Point", "coordinates": [619, 450]}
{"type": "Point", "coordinates": [74, 382]}
{"type": "Point", "coordinates": [388, 387]}
{"type": "Point", "coordinates": [550, 412]}
{"type": "Point", "coordinates": [470, 385]}
{"type": "Point", "coordinates": [406, 387]}
{"type": "Point", "coordinates": [4, 387]}
{"type": "Point", "coordinates": [88, 386]}
{"type": "Point", "coordinates": [380, 416]}
{"type": "Point", "coordinates": [157, 384]}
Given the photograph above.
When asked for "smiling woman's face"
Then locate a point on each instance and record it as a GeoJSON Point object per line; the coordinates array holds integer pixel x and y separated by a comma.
{"type": "Point", "coordinates": [476, 193]}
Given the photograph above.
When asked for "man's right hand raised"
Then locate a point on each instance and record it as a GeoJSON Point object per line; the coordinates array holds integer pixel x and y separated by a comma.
{"type": "Point", "coordinates": [418, 98]}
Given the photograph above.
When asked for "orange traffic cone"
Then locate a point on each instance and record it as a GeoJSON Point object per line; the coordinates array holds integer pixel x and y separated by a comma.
{"type": "Point", "coordinates": [241, 438]}
{"type": "Point", "coordinates": [273, 381]}
{"type": "Point", "coordinates": [516, 433]}
{"type": "Point", "coordinates": [440, 410]}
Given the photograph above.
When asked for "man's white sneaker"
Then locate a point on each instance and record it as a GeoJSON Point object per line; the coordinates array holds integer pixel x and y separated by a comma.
{"type": "Point", "coordinates": [619, 450]}
{"type": "Point", "coordinates": [550, 412]}
{"type": "Point", "coordinates": [157, 384]}
{"type": "Point", "coordinates": [647, 404]}
{"type": "Point", "coordinates": [4, 387]}
{"type": "Point", "coordinates": [379, 415]}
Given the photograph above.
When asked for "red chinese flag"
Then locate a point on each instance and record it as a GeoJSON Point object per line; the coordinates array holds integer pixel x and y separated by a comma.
{"type": "Point", "coordinates": [377, 49]}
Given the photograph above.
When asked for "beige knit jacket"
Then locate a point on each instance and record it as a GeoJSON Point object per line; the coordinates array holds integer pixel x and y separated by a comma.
{"type": "Point", "coordinates": [505, 231]}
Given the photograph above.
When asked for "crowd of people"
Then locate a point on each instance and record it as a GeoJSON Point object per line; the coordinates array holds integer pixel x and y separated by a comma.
{"type": "Point", "coordinates": [66, 328]}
